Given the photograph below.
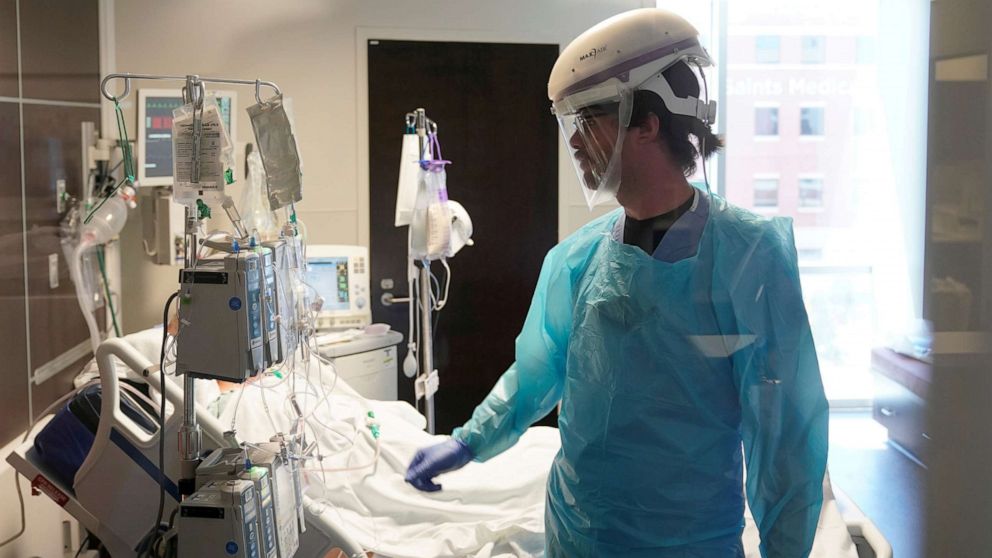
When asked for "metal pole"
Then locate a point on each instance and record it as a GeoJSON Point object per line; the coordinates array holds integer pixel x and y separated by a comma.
{"type": "Point", "coordinates": [189, 432]}
{"type": "Point", "coordinates": [721, 119]}
{"type": "Point", "coordinates": [426, 345]}
{"type": "Point", "coordinates": [189, 439]}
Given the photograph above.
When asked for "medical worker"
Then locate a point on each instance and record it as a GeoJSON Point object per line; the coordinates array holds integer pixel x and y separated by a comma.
{"type": "Point", "coordinates": [672, 330]}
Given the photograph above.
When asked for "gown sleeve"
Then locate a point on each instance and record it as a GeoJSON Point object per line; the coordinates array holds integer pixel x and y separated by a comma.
{"type": "Point", "coordinates": [784, 409]}
{"type": "Point", "coordinates": [532, 385]}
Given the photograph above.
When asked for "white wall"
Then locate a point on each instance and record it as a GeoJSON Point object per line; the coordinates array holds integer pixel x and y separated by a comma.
{"type": "Point", "coordinates": [308, 47]}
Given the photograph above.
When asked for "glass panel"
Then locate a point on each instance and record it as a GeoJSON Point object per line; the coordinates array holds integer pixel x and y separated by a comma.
{"type": "Point", "coordinates": [811, 121]}
{"type": "Point", "coordinates": [814, 50]}
{"type": "Point", "coordinates": [767, 49]}
{"type": "Point", "coordinates": [766, 121]}
{"type": "Point", "coordinates": [810, 192]}
{"type": "Point", "coordinates": [765, 192]}
{"type": "Point", "coordinates": [860, 247]}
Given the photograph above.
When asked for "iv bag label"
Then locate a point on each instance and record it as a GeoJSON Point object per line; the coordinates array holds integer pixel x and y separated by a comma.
{"type": "Point", "coordinates": [198, 169]}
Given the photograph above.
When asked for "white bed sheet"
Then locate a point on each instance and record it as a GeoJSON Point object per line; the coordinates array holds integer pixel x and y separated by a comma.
{"type": "Point", "coordinates": [486, 510]}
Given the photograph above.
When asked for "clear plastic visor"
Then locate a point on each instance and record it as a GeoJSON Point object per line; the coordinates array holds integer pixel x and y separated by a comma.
{"type": "Point", "coordinates": [593, 124]}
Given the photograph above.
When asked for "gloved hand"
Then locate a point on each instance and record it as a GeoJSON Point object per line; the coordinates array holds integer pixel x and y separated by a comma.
{"type": "Point", "coordinates": [434, 460]}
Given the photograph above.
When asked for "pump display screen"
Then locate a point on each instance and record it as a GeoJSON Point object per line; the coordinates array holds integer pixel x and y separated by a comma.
{"type": "Point", "coordinates": [329, 276]}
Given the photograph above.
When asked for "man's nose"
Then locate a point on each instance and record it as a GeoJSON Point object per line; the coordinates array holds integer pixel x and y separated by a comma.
{"type": "Point", "coordinates": [576, 141]}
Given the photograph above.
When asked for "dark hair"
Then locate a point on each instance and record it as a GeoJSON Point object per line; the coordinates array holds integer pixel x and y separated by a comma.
{"type": "Point", "coordinates": [676, 128]}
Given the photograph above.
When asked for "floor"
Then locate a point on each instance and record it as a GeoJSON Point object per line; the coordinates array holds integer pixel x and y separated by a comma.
{"type": "Point", "coordinates": [887, 486]}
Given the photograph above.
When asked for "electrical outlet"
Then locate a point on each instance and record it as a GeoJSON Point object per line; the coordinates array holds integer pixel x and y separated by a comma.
{"type": "Point", "coordinates": [66, 538]}
{"type": "Point", "coordinates": [53, 271]}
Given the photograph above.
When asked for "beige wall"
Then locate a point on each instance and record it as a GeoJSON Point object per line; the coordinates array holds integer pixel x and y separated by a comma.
{"type": "Point", "coordinates": [308, 47]}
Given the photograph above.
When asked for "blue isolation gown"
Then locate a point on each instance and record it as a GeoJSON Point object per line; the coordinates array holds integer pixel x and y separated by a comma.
{"type": "Point", "coordinates": [667, 366]}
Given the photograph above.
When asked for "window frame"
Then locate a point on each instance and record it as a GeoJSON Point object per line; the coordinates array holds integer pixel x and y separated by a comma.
{"type": "Point", "coordinates": [799, 190]}
{"type": "Point", "coordinates": [778, 121]}
{"type": "Point", "coordinates": [758, 49]}
{"type": "Point", "coordinates": [778, 190]}
{"type": "Point", "coordinates": [804, 50]}
{"type": "Point", "coordinates": [823, 121]}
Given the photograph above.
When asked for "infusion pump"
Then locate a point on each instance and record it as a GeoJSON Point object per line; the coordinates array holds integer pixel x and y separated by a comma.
{"type": "Point", "coordinates": [340, 275]}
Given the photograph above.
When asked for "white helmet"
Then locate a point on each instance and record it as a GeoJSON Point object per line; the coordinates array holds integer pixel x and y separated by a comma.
{"type": "Point", "coordinates": [593, 82]}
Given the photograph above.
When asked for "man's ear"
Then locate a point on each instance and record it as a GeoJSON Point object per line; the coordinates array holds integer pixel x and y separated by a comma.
{"type": "Point", "coordinates": [647, 131]}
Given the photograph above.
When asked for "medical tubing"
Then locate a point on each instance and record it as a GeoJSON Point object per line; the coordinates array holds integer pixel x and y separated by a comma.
{"type": "Point", "coordinates": [268, 413]}
{"type": "Point", "coordinates": [447, 285]}
{"type": "Point", "coordinates": [237, 403]}
{"type": "Point", "coordinates": [127, 159]}
{"type": "Point", "coordinates": [75, 272]}
{"type": "Point", "coordinates": [373, 463]}
{"type": "Point", "coordinates": [81, 545]}
{"type": "Point", "coordinates": [106, 288]}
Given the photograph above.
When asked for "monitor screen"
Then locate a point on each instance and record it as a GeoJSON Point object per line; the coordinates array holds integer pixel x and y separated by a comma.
{"type": "Point", "coordinates": [158, 131]}
{"type": "Point", "coordinates": [329, 276]}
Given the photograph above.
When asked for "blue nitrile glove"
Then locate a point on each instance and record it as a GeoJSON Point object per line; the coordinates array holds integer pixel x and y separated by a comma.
{"type": "Point", "coordinates": [434, 460]}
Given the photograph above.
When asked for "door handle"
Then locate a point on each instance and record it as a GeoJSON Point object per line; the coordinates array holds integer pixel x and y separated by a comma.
{"type": "Point", "coordinates": [387, 299]}
{"type": "Point", "coordinates": [887, 412]}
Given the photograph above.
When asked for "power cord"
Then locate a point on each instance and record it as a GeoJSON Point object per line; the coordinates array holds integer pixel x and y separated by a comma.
{"type": "Point", "coordinates": [151, 539]}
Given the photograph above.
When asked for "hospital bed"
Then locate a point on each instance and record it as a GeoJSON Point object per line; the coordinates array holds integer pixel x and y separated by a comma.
{"type": "Point", "coordinates": [486, 510]}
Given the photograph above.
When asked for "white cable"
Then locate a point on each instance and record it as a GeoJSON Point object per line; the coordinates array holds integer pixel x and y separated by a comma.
{"type": "Point", "coordinates": [237, 404]}
{"type": "Point", "coordinates": [706, 122]}
{"type": "Point", "coordinates": [373, 463]}
{"type": "Point", "coordinates": [447, 286]}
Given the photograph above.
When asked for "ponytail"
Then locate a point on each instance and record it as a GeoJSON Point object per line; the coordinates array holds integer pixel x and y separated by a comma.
{"type": "Point", "coordinates": [678, 130]}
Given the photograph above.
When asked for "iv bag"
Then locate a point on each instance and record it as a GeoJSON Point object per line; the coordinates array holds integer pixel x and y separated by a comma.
{"type": "Point", "coordinates": [430, 225]}
{"type": "Point", "coordinates": [277, 146]}
{"type": "Point", "coordinates": [406, 190]}
{"type": "Point", "coordinates": [200, 175]}
{"type": "Point", "coordinates": [255, 212]}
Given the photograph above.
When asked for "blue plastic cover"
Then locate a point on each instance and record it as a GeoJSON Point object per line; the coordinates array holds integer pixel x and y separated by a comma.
{"type": "Point", "coordinates": [673, 377]}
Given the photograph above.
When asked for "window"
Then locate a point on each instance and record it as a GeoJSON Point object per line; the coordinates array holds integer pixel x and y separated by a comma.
{"type": "Point", "coordinates": [865, 50]}
{"type": "Point", "coordinates": [779, 57]}
{"type": "Point", "coordinates": [811, 192]}
{"type": "Point", "coordinates": [766, 192]}
{"type": "Point", "coordinates": [766, 121]}
{"type": "Point", "coordinates": [766, 49]}
{"type": "Point", "coordinates": [863, 121]}
{"type": "Point", "coordinates": [811, 121]}
{"type": "Point", "coordinates": [814, 50]}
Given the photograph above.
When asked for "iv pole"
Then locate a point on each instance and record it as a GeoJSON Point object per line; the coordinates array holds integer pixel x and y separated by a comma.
{"type": "Point", "coordinates": [190, 435]}
{"type": "Point", "coordinates": [428, 377]}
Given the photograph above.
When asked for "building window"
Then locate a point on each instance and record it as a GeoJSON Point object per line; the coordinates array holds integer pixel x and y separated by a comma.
{"type": "Point", "coordinates": [766, 121]}
{"type": "Point", "coordinates": [811, 121]}
{"type": "Point", "coordinates": [811, 192]}
{"type": "Point", "coordinates": [766, 192]}
{"type": "Point", "coordinates": [865, 50]}
{"type": "Point", "coordinates": [863, 121]}
{"type": "Point", "coordinates": [814, 50]}
{"type": "Point", "coordinates": [767, 49]}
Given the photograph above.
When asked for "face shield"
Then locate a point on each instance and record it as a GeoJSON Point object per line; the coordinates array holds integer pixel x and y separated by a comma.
{"type": "Point", "coordinates": [594, 124]}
